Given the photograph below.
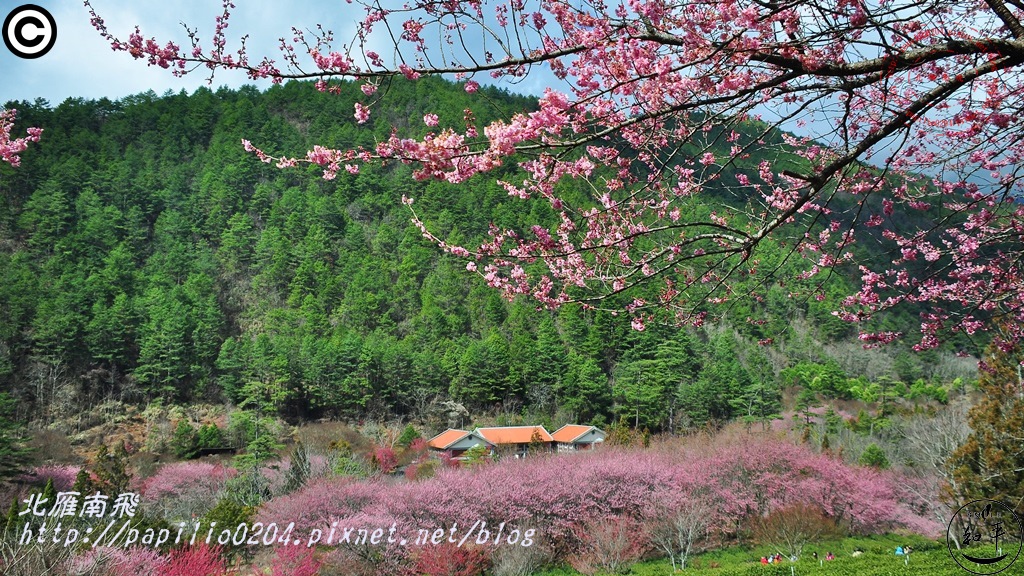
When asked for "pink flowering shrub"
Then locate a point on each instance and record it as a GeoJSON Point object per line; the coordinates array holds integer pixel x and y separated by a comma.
{"type": "Point", "coordinates": [183, 489]}
{"type": "Point", "coordinates": [451, 560]}
{"type": "Point", "coordinates": [276, 475]}
{"type": "Point", "coordinates": [448, 462]}
{"type": "Point", "coordinates": [736, 479]}
{"type": "Point", "coordinates": [608, 545]}
{"type": "Point", "coordinates": [116, 561]}
{"type": "Point", "coordinates": [180, 477]}
{"type": "Point", "coordinates": [364, 558]}
{"type": "Point", "coordinates": [319, 502]}
{"type": "Point", "coordinates": [198, 560]}
{"type": "Point", "coordinates": [418, 447]}
{"type": "Point", "coordinates": [385, 459]}
{"type": "Point", "coordinates": [295, 561]}
{"type": "Point", "coordinates": [63, 476]}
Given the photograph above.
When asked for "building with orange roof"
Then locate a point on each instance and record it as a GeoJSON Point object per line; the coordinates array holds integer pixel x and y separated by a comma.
{"type": "Point", "coordinates": [517, 439]}
{"type": "Point", "coordinates": [456, 442]}
{"type": "Point", "coordinates": [573, 437]}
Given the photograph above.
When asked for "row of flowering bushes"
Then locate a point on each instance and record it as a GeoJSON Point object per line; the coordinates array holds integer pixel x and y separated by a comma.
{"type": "Point", "coordinates": [566, 499]}
{"type": "Point", "coordinates": [598, 511]}
{"type": "Point", "coordinates": [198, 560]}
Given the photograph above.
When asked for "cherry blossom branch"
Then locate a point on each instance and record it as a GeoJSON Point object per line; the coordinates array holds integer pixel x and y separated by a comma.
{"type": "Point", "coordinates": [10, 150]}
{"type": "Point", "coordinates": [660, 98]}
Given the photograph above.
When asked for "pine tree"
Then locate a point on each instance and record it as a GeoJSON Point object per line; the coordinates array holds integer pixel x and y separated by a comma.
{"type": "Point", "coordinates": [408, 435]}
{"type": "Point", "coordinates": [11, 520]}
{"type": "Point", "coordinates": [584, 392]}
{"type": "Point", "coordinates": [185, 442]}
{"type": "Point", "coordinates": [873, 456]}
{"type": "Point", "coordinates": [805, 401]}
{"type": "Point", "coordinates": [299, 470]}
{"type": "Point", "coordinates": [14, 455]}
{"type": "Point", "coordinates": [210, 436]}
{"type": "Point", "coordinates": [84, 484]}
{"type": "Point", "coordinates": [111, 469]}
{"type": "Point", "coordinates": [49, 494]}
{"type": "Point", "coordinates": [990, 463]}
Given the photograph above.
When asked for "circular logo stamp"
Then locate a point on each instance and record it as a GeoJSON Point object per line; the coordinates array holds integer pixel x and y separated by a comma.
{"type": "Point", "coordinates": [29, 31]}
{"type": "Point", "coordinates": [985, 537]}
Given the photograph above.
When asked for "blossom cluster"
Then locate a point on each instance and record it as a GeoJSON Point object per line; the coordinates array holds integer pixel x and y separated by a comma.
{"type": "Point", "coordinates": [661, 99]}
{"type": "Point", "coordinates": [10, 150]}
{"type": "Point", "coordinates": [735, 480]}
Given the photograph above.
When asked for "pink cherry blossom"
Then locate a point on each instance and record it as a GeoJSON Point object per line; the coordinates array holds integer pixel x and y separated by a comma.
{"type": "Point", "coordinates": [362, 113]}
{"type": "Point", "coordinates": [11, 149]}
{"type": "Point", "coordinates": [657, 100]}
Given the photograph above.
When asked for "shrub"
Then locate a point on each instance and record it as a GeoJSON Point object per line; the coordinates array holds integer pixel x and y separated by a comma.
{"type": "Point", "coordinates": [451, 560]}
{"type": "Point", "coordinates": [250, 488]}
{"type": "Point", "coordinates": [873, 456]}
{"type": "Point", "coordinates": [418, 446]}
{"type": "Point", "coordinates": [608, 546]}
{"type": "Point", "coordinates": [787, 530]}
{"type": "Point", "coordinates": [295, 561]}
{"type": "Point", "coordinates": [519, 560]}
{"type": "Point", "coordinates": [185, 442]}
{"type": "Point", "coordinates": [34, 558]}
{"type": "Point", "coordinates": [738, 480]}
{"type": "Point", "coordinates": [298, 468]}
{"type": "Point", "coordinates": [352, 466]}
{"type": "Point", "coordinates": [408, 435]}
{"type": "Point", "coordinates": [448, 462]}
{"type": "Point", "coordinates": [322, 501]}
{"type": "Point", "coordinates": [63, 476]}
{"type": "Point", "coordinates": [384, 459]}
{"type": "Point", "coordinates": [366, 559]}
{"type": "Point", "coordinates": [198, 560]}
{"type": "Point", "coordinates": [476, 455]}
{"type": "Point", "coordinates": [210, 436]}
{"type": "Point", "coordinates": [114, 561]}
{"type": "Point", "coordinates": [228, 512]}
{"type": "Point", "coordinates": [183, 489]}
{"type": "Point", "coordinates": [421, 471]}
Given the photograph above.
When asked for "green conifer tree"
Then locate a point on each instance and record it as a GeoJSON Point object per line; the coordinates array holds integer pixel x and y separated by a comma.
{"type": "Point", "coordinates": [990, 463]}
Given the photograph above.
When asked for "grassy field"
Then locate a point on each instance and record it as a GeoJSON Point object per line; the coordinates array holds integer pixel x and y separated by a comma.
{"type": "Point", "coordinates": [878, 559]}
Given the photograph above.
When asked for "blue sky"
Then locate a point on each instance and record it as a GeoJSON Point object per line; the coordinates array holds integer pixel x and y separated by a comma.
{"type": "Point", "coordinates": [81, 64]}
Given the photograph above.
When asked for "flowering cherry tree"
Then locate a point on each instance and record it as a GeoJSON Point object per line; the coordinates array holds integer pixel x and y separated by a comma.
{"type": "Point", "coordinates": [10, 149]}
{"type": "Point", "coordinates": [903, 107]}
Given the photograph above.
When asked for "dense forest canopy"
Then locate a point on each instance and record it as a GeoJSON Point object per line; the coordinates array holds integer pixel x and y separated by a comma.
{"type": "Point", "coordinates": [146, 255]}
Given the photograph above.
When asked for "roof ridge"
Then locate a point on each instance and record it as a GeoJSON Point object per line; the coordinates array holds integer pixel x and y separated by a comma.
{"type": "Point", "coordinates": [519, 426]}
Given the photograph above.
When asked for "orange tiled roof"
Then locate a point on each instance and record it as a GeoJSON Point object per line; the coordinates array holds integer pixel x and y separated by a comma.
{"type": "Point", "coordinates": [513, 434]}
{"type": "Point", "coordinates": [445, 439]}
{"type": "Point", "coordinates": [570, 432]}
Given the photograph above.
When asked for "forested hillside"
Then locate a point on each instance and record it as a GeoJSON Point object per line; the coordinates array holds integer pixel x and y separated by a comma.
{"type": "Point", "coordinates": [145, 255]}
